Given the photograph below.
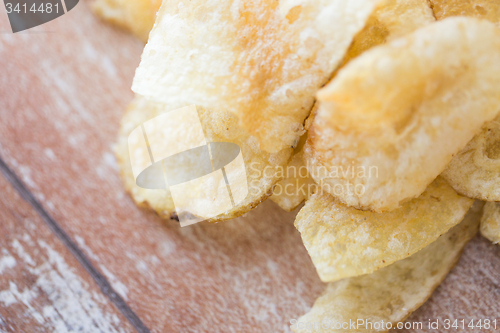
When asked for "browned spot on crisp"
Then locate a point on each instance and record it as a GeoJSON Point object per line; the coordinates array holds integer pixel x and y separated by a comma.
{"type": "Point", "coordinates": [294, 14]}
{"type": "Point", "coordinates": [374, 33]}
{"type": "Point", "coordinates": [492, 145]}
{"type": "Point", "coordinates": [260, 63]}
{"type": "Point", "coordinates": [481, 11]}
{"type": "Point", "coordinates": [485, 9]}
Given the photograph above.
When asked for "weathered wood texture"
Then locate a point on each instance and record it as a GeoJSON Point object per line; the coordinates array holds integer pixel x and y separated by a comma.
{"type": "Point", "coordinates": [63, 89]}
{"type": "Point", "coordinates": [43, 288]}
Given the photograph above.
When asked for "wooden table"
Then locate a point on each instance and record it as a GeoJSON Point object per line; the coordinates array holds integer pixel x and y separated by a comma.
{"type": "Point", "coordinates": [78, 256]}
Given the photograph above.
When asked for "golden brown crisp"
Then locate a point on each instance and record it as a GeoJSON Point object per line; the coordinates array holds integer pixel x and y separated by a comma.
{"type": "Point", "coordinates": [490, 222]}
{"type": "Point", "coordinates": [475, 170]}
{"type": "Point", "coordinates": [262, 60]}
{"type": "Point", "coordinates": [136, 16]}
{"type": "Point", "coordinates": [390, 20]}
{"type": "Point", "coordinates": [344, 242]}
{"type": "Point", "coordinates": [392, 119]}
{"type": "Point", "coordinates": [482, 9]}
{"type": "Point", "coordinates": [391, 293]}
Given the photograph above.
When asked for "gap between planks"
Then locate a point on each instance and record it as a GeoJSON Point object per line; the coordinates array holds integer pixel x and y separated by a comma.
{"type": "Point", "coordinates": [101, 281]}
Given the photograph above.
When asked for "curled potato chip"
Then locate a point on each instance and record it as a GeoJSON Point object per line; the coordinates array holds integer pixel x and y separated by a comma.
{"type": "Point", "coordinates": [390, 294]}
{"type": "Point", "coordinates": [475, 170]}
{"type": "Point", "coordinates": [390, 20]}
{"type": "Point", "coordinates": [262, 169]}
{"type": "Point", "coordinates": [490, 222]}
{"type": "Point", "coordinates": [261, 60]}
{"type": "Point", "coordinates": [136, 16]}
{"type": "Point", "coordinates": [483, 9]}
{"type": "Point", "coordinates": [297, 185]}
{"type": "Point", "coordinates": [393, 118]}
{"type": "Point", "coordinates": [344, 242]}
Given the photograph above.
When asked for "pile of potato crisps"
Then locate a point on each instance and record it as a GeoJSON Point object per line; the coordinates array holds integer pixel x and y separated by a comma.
{"type": "Point", "coordinates": [392, 108]}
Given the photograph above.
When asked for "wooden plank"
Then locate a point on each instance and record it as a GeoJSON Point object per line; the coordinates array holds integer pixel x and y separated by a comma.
{"type": "Point", "coordinates": [42, 286]}
{"type": "Point", "coordinates": [62, 97]}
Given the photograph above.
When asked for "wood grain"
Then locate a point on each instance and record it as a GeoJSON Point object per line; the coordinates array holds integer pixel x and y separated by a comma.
{"type": "Point", "coordinates": [43, 288]}
{"type": "Point", "coordinates": [64, 87]}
